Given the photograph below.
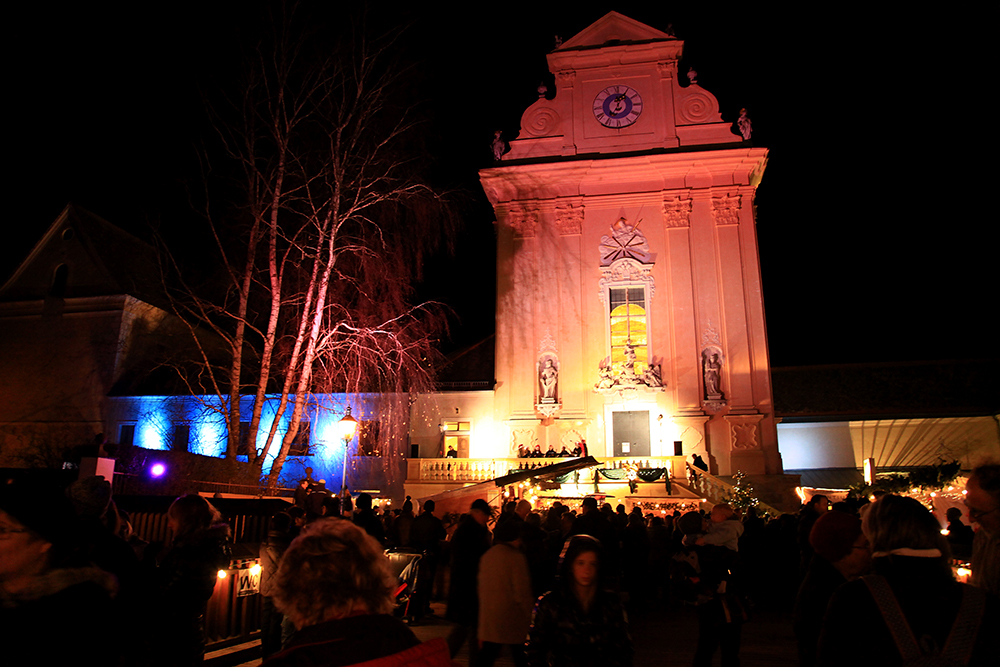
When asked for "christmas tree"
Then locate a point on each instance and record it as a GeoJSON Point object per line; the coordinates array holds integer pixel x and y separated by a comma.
{"type": "Point", "coordinates": [741, 497]}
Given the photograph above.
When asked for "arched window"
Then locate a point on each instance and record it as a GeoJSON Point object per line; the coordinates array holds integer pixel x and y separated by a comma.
{"type": "Point", "coordinates": [58, 288]}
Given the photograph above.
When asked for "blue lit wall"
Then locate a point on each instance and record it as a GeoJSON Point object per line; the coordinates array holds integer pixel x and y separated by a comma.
{"type": "Point", "coordinates": [155, 418]}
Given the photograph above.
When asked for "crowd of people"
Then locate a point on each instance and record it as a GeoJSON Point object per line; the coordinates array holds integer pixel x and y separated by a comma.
{"type": "Point", "coordinates": [549, 587]}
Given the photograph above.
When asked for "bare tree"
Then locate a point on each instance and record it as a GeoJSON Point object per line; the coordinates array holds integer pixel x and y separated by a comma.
{"type": "Point", "coordinates": [319, 251]}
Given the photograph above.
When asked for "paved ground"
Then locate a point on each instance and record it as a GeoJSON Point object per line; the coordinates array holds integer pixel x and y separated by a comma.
{"type": "Point", "coordinates": [664, 636]}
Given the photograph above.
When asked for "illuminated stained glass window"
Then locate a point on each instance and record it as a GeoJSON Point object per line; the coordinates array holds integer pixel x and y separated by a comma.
{"type": "Point", "coordinates": [628, 325]}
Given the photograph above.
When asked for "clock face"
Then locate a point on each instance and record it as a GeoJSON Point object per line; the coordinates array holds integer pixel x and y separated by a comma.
{"type": "Point", "coordinates": [617, 106]}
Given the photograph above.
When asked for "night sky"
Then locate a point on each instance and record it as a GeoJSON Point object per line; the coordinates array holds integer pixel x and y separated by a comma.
{"type": "Point", "coordinates": [876, 218]}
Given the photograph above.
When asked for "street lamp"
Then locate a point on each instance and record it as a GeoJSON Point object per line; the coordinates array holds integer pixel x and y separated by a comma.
{"type": "Point", "coordinates": [347, 425]}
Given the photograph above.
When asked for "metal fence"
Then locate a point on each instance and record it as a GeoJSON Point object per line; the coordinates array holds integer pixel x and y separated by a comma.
{"type": "Point", "coordinates": [233, 613]}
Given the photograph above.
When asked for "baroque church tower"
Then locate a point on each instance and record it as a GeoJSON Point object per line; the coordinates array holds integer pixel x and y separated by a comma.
{"type": "Point", "coordinates": [629, 306]}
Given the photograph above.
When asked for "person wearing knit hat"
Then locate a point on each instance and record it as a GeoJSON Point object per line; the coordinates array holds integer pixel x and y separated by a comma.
{"type": "Point", "coordinates": [50, 598]}
{"type": "Point", "coordinates": [841, 554]}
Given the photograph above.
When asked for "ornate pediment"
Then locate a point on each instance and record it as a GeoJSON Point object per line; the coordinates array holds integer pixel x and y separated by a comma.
{"type": "Point", "coordinates": [614, 27]}
{"type": "Point", "coordinates": [627, 271]}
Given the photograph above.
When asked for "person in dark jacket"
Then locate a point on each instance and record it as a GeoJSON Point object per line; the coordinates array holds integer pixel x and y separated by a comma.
{"type": "Point", "coordinates": [960, 536]}
{"type": "Point", "coordinates": [185, 578]}
{"type": "Point", "coordinates": [335, 586]}
{"type": "Point", "coordinates": [302, 494]}
{"type": "Point", "coordinates": [271, 551]}
{"type": "Point", "coordinates": [366, 519]}
{"type": "Point", "coordinates": [426, 535]}
{"type": "Point", "coordinates": [841, 554]}
{"type": "Point", "coordinates": [469, 542]}
{"type": "Point", "coordinates": [817, 506]}
{"type": "Point", "coordinates": [579, 624]}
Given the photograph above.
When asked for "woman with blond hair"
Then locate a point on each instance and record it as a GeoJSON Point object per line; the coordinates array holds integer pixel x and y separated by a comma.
{"type": "Point", "coordinates": [911, 608]}
{"type": "Point", "coordinates": [335, 586]}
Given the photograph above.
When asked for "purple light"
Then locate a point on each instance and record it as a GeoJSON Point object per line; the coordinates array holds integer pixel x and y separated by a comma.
{"type": "Point", "coordinates": [157, 470]}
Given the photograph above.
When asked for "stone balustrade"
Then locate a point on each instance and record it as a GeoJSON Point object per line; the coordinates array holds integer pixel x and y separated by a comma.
{"type": "Point", "coordinates": [481, 470]}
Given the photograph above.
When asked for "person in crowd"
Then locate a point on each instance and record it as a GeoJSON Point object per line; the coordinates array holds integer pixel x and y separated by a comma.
{"type": "Point", "coordinates": [912, 591]}
{"type": "Point", "coordinates": [595, 523]}
{"type": "Point", "coordinates": [53, 602]}
{"type": "Point", "coordinates": [298, 520]}
{"type": "Point", "coordinates": [536, 453]}
{"type": "Point", "coordinates": [960, 536]}
{"type": "Point", "coordinates": [452, 453]}
{"type": "Point", "coordinates": [579, 624]}
{"type": "Point", "coordinates": [185, 578]}
{"type": "Point", "coordinates": [841, 554]}
{"type": "Point", "coordinates": [301, 494]}
{"type": "Point", "coordinates": [469, 542]}
{"type": "Point", "coordinates": [314, 502]}
{"type": "Point", "coordinates": [426, 535]}
{"type": "Point", "coordinates": [533, 546]}
{"type": "Point", "coordinates": [271, 551]}
{"type": "Point", "coordinates": [635, 558]}
{"type": "Point", "coordinates": [402, 526]}
{"type": "Point", "coordinates": [331, 507]}
{"type": "Point", "coordinates": [620, 519]}
{"type": "Point", "coordinates": [366, 518]}
{"type": "Point", "coordinates": [705, 576]}
{"type": "Point", "coordinates": [660, 551]}
{"type": "Point", "coordinates": [724, 529]}
{"type": "Point", "coordinates": [983, 500]}
{"type": "Point", "coordinates": [505, 596]}
{"type": "Point", "coordinates": [812, 510]}
{"type": "Point", "coordinates": [98, 524]}
{"type": "Point", "coordinates": [335, 586]}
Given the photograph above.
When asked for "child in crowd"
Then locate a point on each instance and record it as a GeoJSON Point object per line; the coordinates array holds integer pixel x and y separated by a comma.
{"type": "Point", "coordinates": [724, 529]}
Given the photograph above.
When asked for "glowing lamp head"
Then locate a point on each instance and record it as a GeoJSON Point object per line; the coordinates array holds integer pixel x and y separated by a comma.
{"type": "Point", "coordinates": [255, 570]}
{"type": "Point", "coordinates": [347, 425]}
{"type": "Point", "coordinates": [157, 470]}
{"type": "Point", "coordinates": [222, 574]}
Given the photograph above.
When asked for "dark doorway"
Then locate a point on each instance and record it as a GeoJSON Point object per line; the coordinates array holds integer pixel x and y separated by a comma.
{"type": "Point", "coordinates": [631, 433]}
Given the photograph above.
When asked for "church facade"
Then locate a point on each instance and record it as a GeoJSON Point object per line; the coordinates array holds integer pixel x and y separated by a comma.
{"type": "Point", "coordinates": [629, 309]}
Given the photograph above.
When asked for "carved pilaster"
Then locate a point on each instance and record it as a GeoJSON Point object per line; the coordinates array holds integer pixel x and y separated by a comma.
{"type": "Point", "coordinates": [726, 210]}
{"type": "Point", "coordinates": [524, 222]}
{"type": "Point", "coordinates": [677, 212]}
{"type": "Point", "coordinates": [569, 219]}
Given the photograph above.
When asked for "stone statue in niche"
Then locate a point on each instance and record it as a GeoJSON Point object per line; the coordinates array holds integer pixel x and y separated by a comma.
{"type": "Point", "coordinates": [499, 146]}
{"type": "Point", "coordinates": [711, 364]}
{"type": "Point", "coordinates": [651, 376]}
{"type": "Point", "coordinates": [746, 128]}
{"type": "Point", "coordinates": [548, 379]}
{"type": "Point", "coordinates": [607, 378]}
